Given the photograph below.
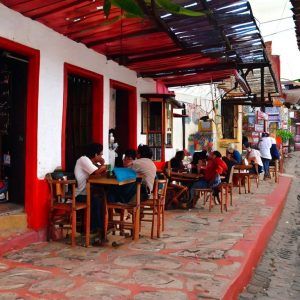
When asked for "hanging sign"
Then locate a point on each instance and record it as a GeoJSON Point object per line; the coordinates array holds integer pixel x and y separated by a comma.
{"type": "Point", "coordinates": [262, 116]}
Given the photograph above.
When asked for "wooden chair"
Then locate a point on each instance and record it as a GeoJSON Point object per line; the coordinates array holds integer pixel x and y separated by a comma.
{"type": "Point", "coordinates": [175, 190]}
{"type": "Point", "coordinates": [155, 207]}
{"type": "Point", "coordinates": [206, 193]}
{"type": "Point", "coordinates": [63, 206]}
{"type": "Point", "coordinates": [227, 187]}
{"type": "Point", "coordinates": [118, 222]}
{"type": "Point", "coordinates": [254, 176]}
{"type": "Point", "coordinates": [274, 169]}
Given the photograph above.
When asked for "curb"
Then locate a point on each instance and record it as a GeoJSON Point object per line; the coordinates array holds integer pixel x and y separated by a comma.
{"type": "Point", "coordinates": [254, 248]}
{"type": "Point", "coordinates": [22, 240]}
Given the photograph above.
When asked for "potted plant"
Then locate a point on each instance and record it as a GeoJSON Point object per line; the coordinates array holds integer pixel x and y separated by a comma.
{"type": "Point", "coordinates": [285, 135]}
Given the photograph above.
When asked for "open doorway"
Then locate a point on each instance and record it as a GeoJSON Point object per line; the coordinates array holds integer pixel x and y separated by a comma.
{"type": "Point", "coordinates": [123, 117]}
{"type": "Point", "coordinates": [13, 104]}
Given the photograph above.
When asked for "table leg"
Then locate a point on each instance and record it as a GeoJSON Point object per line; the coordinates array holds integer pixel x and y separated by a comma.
{"type": "Point", "coordinates": [138, 211]}
{"type": "Point", "coordinates": [239, 182]}
{"type": "Point", "coordinates": [249, 183]}
{"type": "Point", "coordinates": [88, 214]}
{"type": "Point", "coordinates": [105, 215]}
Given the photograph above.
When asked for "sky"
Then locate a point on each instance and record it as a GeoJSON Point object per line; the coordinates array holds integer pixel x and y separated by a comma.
{"type": "Point", "coordinates": [281, 33]}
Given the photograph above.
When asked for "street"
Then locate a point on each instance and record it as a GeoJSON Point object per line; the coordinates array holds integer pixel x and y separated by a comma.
{"type": "Point", "coordinates": [278, 274]}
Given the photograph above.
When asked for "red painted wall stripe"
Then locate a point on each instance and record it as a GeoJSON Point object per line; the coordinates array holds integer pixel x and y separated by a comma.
{"type": "Point", "coordinates": [32, 197]}
{"type": "Point", "coordinates": [97, 80]}
{"type": "Point", "coordinates": [132, 134]}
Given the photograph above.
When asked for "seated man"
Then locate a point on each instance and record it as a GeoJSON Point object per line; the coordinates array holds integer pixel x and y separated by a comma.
{"type": "Point", "coordinates": [144, 167]}
{"type": "Point", "coordinates": [91, 162]}
{"type": "Point", "coordinates": [253, 157]}
{"type": "Point", "coordinates": [129, 157]}
{"type": "Point", "coordinates": [235, 154]}
{"type": "Point", "coordinates": [176, 161]}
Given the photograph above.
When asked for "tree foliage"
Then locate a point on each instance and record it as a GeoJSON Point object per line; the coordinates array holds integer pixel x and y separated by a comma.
{"type": "Point", "coordinates": [131, 8]}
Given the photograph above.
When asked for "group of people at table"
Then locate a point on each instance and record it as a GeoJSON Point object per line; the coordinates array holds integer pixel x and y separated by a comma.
{"type": "Point", "coordinates": [212, 168]}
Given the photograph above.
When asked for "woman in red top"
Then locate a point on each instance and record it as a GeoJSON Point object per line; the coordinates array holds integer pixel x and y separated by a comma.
{"type": "Point", "coordinates": [215, 167]}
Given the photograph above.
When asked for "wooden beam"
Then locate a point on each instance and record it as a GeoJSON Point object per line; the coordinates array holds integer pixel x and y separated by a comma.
{"type": "Point", "coordinates": [55, 10]}
{"type": "Point", "coordinates": [190, 70]}
{"type": "Point", "coordinates": [121, 36]}
{"type": "Point", "coordinates": [248, 103]}
{"type": "Point", "coordinates": [262, 86]}
{"type": "Point", "coordinates": [193, 82]}
{"type": "Point", "coordinates": [153, 14]}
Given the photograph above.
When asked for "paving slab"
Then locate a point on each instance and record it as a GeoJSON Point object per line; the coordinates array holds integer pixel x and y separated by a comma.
{"type": "Point", "coordinates": [200, 255]}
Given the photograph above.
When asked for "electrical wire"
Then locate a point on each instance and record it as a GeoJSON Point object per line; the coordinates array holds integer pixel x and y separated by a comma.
{"type": "Point", "coordinates": [275, 20]}
{"type": "Point", "coordinates": [278, 32]}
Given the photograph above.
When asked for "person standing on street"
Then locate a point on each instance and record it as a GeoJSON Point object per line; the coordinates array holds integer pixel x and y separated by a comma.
{"type": "Point", "coordinates": [264, 147]}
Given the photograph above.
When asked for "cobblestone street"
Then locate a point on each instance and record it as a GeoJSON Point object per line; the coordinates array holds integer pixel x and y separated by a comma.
{"type": "Point", "coordinates": [278, 274]}
{"type": "Point", "coordinates": [201, 255]}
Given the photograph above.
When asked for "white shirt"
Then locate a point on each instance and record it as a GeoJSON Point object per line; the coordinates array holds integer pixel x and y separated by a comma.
{"type": "Point", "coordinates": [83, 169]}
{"type": "Point", "coordinates": [146, 168]}
{"type": "Point", "coordinates": [265, 147]}
{"type": "Point", "coordinates": [255, 154]}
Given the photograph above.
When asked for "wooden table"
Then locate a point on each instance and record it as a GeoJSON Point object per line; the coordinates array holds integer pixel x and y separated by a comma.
{"type": "Point", "coordinates": [185, 177]}
{"type": "Point", "coordinates": [104, 182]}
{"type": "Point", "coordinates": [243, 173]}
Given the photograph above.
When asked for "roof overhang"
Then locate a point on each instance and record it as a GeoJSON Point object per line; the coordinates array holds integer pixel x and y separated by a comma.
{"type": "Point", "coordinates": [177, 49]}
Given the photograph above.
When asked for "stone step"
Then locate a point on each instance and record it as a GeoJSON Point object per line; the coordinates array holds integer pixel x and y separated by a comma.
{"type": "Point", "coordinates": [13, 223]}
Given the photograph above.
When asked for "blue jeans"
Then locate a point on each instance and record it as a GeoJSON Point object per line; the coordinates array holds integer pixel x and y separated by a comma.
{"type": "Point", "coordinates": [266, 163]}
{"type": "Point", "coordinates": [203, 184]}
{"type": "Point", "coordinates": [124, 193]}
{"type": "Point", "coordinates": [96, 211]}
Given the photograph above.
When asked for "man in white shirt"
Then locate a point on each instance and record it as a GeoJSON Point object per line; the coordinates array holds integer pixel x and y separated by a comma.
{"type": "Point", "coordinates": [90, 163]}
{"type": "Point", "coordinates": [253, 156]}
{"type": "Point", "coordinates": [264, 147]}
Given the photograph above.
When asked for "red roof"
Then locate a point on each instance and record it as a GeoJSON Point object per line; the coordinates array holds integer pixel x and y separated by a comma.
{"type": "Point", "coordinates": [179, 50]}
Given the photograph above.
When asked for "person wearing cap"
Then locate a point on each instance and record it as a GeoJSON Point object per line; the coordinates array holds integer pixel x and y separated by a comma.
{"type": "Point", "coordinates": [235, 154]}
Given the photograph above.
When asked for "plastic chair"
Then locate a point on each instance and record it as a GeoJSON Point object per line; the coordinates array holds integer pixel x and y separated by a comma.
{"type": "Point", "coordinates": [63, 206]}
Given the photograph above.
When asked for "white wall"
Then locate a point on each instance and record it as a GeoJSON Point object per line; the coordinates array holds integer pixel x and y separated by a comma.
{"type": "Point", "coordinates": [55, 50]}
{"type": "Point", "coordinates": [201, 96]}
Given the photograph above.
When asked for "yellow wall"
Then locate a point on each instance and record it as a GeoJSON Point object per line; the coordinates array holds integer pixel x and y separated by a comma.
{"type": "Point", "coordinates": [223, 143]}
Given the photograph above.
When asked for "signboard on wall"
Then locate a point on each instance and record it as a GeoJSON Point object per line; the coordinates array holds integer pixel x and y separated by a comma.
{"type": "Point", "coordinates": [259, 127]}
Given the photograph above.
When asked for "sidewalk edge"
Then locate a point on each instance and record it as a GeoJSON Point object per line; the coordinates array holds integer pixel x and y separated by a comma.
{"type": "Point", "coordinates": [259, 245]}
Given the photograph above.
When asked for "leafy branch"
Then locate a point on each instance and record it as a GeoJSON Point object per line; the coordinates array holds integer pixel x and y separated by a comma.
{"type": "Point", "coordinates": [132, 9]}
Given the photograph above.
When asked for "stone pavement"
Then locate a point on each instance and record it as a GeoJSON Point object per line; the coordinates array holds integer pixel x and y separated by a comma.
{"type": "Point", "coordinates": [201, 255]}
{"type": "Point", "coordinates": [278, 274]}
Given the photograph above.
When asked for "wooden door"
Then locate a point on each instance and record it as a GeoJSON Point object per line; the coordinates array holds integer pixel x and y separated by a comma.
{"type": "Point", "coordinates": [79, 118]}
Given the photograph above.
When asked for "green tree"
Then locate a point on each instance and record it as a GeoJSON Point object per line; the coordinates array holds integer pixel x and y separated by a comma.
{"type": "Point", "coordinates": [133, 10]}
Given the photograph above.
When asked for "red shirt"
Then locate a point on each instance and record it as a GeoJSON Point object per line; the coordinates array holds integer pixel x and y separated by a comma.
{"type": "Point", "coordinates": [214, 167]}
